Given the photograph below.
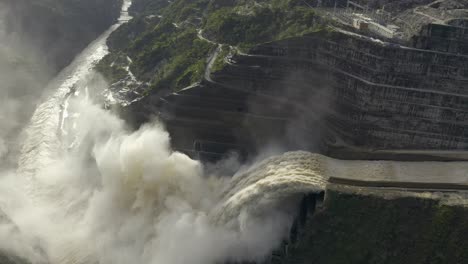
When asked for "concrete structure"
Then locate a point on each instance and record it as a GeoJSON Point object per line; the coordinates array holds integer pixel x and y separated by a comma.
{"type": "Point", "coordinates": [445, 38]}
{"type": "Point", "coordinates": [381, 30]}
{"type": "Point", "coordinates": [390, 97]}
{"type": "Point", "coordinates": [338, 93]}
{"type": "Point", "coordinates": [360, 24]}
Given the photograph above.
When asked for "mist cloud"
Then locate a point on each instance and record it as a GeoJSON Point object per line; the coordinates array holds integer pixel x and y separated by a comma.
{"type": "Point", "coordinates": [88, 190]}
{"type": "Point", "coordinates": [126, 197]}
{"type": "Point", "coordinates": [23, 74]}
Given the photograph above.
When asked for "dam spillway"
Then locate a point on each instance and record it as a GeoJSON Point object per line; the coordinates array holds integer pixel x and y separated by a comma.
{"type": "Point", "coordinates": [130, 198]}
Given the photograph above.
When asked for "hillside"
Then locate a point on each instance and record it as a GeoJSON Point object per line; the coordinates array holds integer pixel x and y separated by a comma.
{"type": "Point", "coordinates": [357, 225]}
{"type": "Point", "coordinates": [169, 45]}
{"type": "Point", "coordinates": [369, 81]}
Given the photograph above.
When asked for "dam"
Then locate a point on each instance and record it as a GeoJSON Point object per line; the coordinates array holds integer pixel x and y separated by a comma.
{"type": "Point", "coordinates": [340, 91]}
{"type": "Point", "coordinates": [91, 189]}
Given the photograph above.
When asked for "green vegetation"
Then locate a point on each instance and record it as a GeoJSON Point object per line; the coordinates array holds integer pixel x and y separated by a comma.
{"type": "Point", "coordinates": [248, 26]}
{"type": "Point", "coordinates": [174, 11]}
{"type": "Point", "coordinates": [186, 59]}
{"type": "Point", "coordinates": [220, 60]}
{"type": "Point", "coordinates": [123, 37]}
{"type": "Point", "coordinates": [167, 56]}
{"type": "Point", "coordinates": [371, 229]}
{"type": "Point", "coordinates": [147, 7]}
{"type": "Point", "coordinates": [185, 10]}
{"type": "Point", "coordinates": [167, 52]}
{"type": "Point", "coordinates": [112, 67]}
{"type": "Point", "coordinates": [164, 46]}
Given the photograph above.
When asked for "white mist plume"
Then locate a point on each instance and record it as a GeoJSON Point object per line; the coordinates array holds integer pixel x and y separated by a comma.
{"type": "Point", "coordinates": [87, 190]}
{"type": "Point", "coordinates": [22, 76]}
{"type": "Point", "coordinates": [122, 197]}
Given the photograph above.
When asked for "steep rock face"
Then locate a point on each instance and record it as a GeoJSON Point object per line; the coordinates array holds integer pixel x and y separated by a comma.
{"type": "Point", "coordinates": [59, 29]}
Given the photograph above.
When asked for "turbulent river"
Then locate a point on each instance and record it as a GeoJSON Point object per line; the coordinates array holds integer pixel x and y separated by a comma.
{"type": "Point", "coordinates": [88, 190]}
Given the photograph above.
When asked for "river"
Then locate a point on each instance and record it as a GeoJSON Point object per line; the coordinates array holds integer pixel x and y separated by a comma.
{"type": "Point", "coordinates": [89, 190]}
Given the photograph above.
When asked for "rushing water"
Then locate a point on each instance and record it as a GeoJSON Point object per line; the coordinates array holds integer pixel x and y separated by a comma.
{"type": "Point", "coordinates": [87, 190]}
{"type": "Point", "coordinates": [43, 133]}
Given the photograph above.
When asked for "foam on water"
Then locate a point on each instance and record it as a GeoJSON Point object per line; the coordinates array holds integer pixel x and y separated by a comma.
{"type": "Point", "coordinates": [115, 196]}
{"type": "Point", "coordinates": [275, 179]}
{"type": "Point", "coordinates": [42, 138]}
{"type": "Point", "coordinates": [130, 199]}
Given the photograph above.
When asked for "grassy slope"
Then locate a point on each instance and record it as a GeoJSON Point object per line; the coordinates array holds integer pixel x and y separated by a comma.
{"type": "Point", "coordinates": [371, 229]}
{"type": "Point", "coordinates": [165, 51]}
{"type": "Point", "coordinates": [173, 57]}
{"type": "Point", "coordinates": [251, 24]}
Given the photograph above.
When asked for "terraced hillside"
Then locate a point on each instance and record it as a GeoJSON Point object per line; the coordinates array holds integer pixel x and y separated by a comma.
{"type": "Point", "coordinates": [244, 75]}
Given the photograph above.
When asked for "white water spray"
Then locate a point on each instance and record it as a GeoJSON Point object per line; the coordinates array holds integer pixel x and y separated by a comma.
{"type": "Point", "coordinates": [43, 135]}
{"type": "Point", "coordinates": [122, 197]}
{"type": "Point", "coordinates": [115, 196]}
{"type": "Point", "coordinates": [87, 190]}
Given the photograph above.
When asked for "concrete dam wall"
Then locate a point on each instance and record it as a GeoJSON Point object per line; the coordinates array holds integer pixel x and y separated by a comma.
{"type": "Point", "coordinates": [336, 92]}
